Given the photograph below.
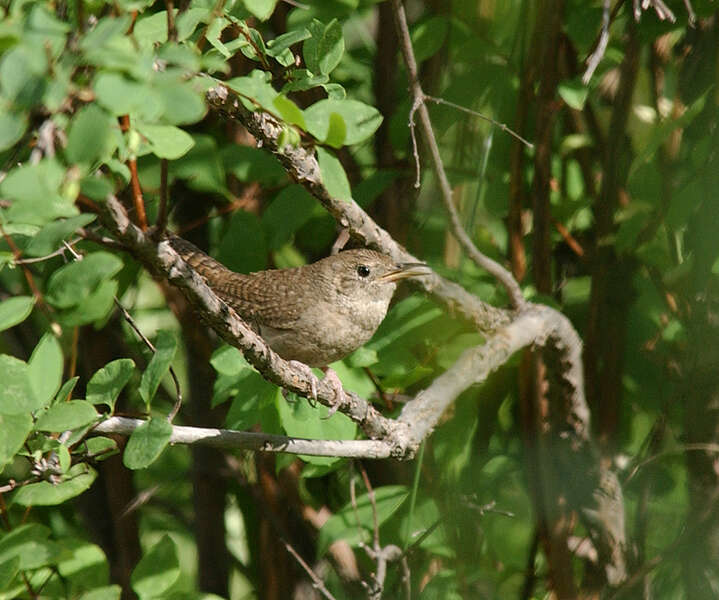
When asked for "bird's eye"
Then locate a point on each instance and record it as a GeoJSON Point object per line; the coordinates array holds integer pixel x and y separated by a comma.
{"type": "Point", "coordinates": [363, 271]}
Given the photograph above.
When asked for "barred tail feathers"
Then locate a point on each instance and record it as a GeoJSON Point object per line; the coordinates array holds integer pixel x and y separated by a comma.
{"type": "Point", "coordinates": [205, 265]}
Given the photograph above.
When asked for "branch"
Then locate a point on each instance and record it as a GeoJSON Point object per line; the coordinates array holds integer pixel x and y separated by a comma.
{"type": "Point", "coordinates": [247, 440]}
{"type": "Point", "coordinates": [301, 164]}
{"type": "Point", "coordinates": [494, 268]}
{"type": "Point", "coordinates": [160, 259]}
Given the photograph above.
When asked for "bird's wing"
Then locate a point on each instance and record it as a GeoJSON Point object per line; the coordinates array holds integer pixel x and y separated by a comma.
{"type": "Point", "coordinates": [265, 298]}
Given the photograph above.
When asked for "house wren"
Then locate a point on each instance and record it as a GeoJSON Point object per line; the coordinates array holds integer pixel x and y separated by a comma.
{"type": "Point", "coordinates": [315, 314]}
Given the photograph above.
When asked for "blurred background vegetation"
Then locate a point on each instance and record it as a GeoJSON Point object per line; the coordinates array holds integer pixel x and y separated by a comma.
{"type": "Point", "coordinates": [612, 217]}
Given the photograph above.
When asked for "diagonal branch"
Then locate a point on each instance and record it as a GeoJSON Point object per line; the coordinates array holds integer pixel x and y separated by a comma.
{"type": "Point", "coordinates": [161, 260]}
{"type": "Point", "coordinates": [302, 166]}
{"type": "Point", "coordinates": [491, 266]}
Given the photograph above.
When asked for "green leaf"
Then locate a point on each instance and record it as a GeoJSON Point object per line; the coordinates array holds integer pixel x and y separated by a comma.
{"type": "Point", "coordinates": [16, 395]}
{"type": "Point", "coordinates": [72, 283]}
{"type": "Point", "coordinates": [343, 525]}
{"type": "Point", "coordinates": [8, 570]}
{"type": "Point", "coordinates": [243, 247]}
{"type": "Point", "coordinates": [35, 193]}
{"type": "Point", "coordinates": [91, 137]}
{"type": "Point", "coordinates": [15, 310]}
{"type": "Point", "coordinates": [165, 349]}
{"type": "Point", "coordinates": [188, 21]}
{"type": "Point", "coordinates": [333, 175]}
{"type": "Point", "coordinates": [64, 416]}
{"type": "Point", "coordinates": [289, 111]}
{"type": "Point", "coordinates": [337, 131]}
{"type": "Point", "coordinates": [15, 429]}
{"type": "Point", "coordinates": [146, 443]}
{"type": "Point", "coordinates": [252, 164]}
{"type": "Point", "coordinates": [83, 563]}
{"type": "Point", "coordinates": [228, 360]}
{"type": "Point", "coordinates": [262, 9]}
{"type": "Point", "coordinates": [363, 357]}
{"type": "Point", "coordinates": [29, 543]}
{"type": "Point", "coordinates": [108, 592]}
{"type": "Point", "coordinates": [12, 128]}
{"type": "Point", "coordinates": [360, 119]}
{"type": "Point", "coordinates": [22, 71]}
{"type": "Point", "coordinates": [106, 384]}
{"type": "Point", "coordinates": [100, 448]}
{"type": "Point", "coordinates": [323, 51]}
{"type": "Point", "coordinates": [63, 395]}
{"type": "Point", "coordinates": [289, 211]}
{"type": "Point", "coordinates": [44, 493]}
{"type": "Point", "coordinates": [201, 167]}
{"type": "Point", "coordinates": [428, 37]}
{"type": "Point", "coordinates": [166, 141]}
{"type": "Point", "coordinates": [255, 87]}
{"type": "Point", "coordinates": [254, 393]}
{"type": "Point", "coordinates": [48, 239]}
{"type": "Point", "coordinates": [574, 93]}
{"type": "Point", "coordinates": [302, 79]}
{"type": "Point", "coordinates": [45, 369]}
{"type": "Point", "coordinates": [299, 419]}
{"type": "Point", "coordinates": [152, 29]}
{"type": "Point", "coordinates": [94, 307]}
{"type": "Point", "coordinates": [157, 571]}
{"type": "Point", "coordinates": [123, 96]}
{"type": "Point", "coordinates": [282, 42]}
{"type": "Point", "coordinates": [182, 103]}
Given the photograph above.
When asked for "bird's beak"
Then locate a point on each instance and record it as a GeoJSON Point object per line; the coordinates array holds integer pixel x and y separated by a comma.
{"type": "Point", "coordinates": [405, 270]}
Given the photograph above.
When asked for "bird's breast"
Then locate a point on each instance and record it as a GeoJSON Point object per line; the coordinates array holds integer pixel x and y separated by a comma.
{"type": "Point", "coordinates": [325, 332]}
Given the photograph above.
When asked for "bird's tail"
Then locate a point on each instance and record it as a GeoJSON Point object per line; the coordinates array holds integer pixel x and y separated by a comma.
{"type": "Point", "coordinates": [205, 265]}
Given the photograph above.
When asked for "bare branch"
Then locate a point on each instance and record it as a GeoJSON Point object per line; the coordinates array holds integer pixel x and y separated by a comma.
{"type": "Point", "coordinates": [596, 57]}
{"type": "Point", "coordinates": [316, 580]}
{"type": "Point", "coordinates": [248, 440]}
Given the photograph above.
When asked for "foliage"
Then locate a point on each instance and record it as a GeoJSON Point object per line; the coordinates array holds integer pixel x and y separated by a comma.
{"type": "Point", "coordinates": [96, 97]}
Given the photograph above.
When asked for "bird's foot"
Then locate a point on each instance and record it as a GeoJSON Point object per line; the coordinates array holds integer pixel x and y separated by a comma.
{"type": "Point", "coordinates": [340, 396]}
{"type": "Point", "coordinates": [330, 377]}
{"type": "Point", "coordinates": [307, 372]}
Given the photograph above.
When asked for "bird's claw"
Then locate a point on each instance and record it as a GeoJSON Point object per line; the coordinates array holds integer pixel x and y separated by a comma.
{"type": "Point", "coordinates": [340, 396]}
{"type": "Point", "coordinates": [307, 371]}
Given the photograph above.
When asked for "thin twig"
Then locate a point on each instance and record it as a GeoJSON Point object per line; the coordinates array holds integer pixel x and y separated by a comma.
{"type": "Point", "coordinates": [16, 252]}
{"type": "Point", "coordinates": [494, 268]}
{"type": "Point", "coordinates": [171, 29]}
{"type": "Point", "coordinates": [415, 150]}
{"type": "Point", "coordinates": [131, 322]}
{"type": "Point", "coordinates": [316, 581]}
{"type": "Point", "coordinates": [596, 56]}
{"type": "Point", "coordinates": [497, 124]}
{"type": "Point", "coordinates": [137, 198]}
{"type": "Point", "coordinates": [691, 14]}
{"type": "Point", "coordinates": [373, 503]}
{"type": "Point", "coordinates": [58, 252]}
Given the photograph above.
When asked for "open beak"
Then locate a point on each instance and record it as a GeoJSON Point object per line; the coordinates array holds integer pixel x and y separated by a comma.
{"type": "Point", "coordinates": [405, 270]}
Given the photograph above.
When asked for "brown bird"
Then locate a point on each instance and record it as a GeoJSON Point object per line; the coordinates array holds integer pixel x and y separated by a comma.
{"type": "Point", "coordinates": [315, 314]}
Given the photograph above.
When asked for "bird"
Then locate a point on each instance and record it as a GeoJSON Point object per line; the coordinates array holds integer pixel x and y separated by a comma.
{"type": "Point", "coordinates": [314, 314]}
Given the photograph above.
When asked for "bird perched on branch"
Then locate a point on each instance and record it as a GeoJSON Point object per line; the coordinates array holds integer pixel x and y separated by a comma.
{"type": "Point", "coordinates": [314, 314]}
